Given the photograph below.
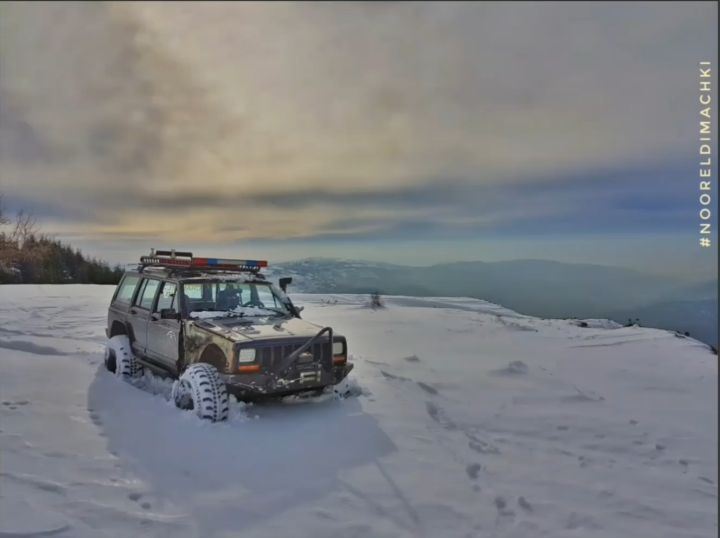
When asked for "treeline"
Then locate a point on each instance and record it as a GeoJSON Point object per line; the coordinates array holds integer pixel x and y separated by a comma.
{"type": "Point", "coordinates": [29, 257]}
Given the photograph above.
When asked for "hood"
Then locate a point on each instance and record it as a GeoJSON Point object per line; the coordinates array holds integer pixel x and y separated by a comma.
{"type": "Point", "coordinates": [243, 330]}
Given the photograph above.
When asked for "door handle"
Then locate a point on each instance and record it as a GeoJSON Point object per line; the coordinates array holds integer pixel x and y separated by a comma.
{"type": "Point", "coordinates": [133, 311]}
{"type": "Point", "coordinates": [154, 317]}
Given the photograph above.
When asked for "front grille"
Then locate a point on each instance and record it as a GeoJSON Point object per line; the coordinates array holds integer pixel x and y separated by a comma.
{"type": "Point", "coordinates": [271, 355]}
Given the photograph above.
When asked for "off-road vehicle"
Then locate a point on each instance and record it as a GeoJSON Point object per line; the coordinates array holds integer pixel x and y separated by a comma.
{"type": "Point", "coordinates": [217, 326]}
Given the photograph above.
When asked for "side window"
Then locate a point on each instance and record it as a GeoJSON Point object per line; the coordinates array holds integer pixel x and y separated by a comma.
{"type": "Point", "coordinates": [127, 288]}
{"type": "Point", "coordinates": [193, 291]}
{"type": "Point", "coordinates": [138, 297]}
{"type": "Point", "coordinates": [166, 299]}
{"type": "Point", "coordinates": [147, 294]}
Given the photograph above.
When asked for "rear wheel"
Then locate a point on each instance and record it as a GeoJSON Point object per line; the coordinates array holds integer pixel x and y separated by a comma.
{"type": "Point", "coordinates": [119, 358]}
{"type": "Point", "coordinates": [200, 388]}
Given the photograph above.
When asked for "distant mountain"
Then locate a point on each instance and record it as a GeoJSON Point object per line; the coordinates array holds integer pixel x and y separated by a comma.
{"type": "Point", "coordinates": [697, 317]}
{"type": "Point", "coordinates": [536, 287]}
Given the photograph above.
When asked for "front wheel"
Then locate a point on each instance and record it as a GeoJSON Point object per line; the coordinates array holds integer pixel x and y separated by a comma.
{"type": "Point", "coordinates": [119, 358]}
{"type": "Point", "coordinates": [200, 388]}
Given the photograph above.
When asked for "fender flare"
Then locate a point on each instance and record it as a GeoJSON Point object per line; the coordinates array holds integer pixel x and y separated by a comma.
{"type": "Point", "coordinates": [213, 355]}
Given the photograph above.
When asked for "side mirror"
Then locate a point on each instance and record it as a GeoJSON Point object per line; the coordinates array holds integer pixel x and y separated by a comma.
{"type": "Point", "coordinates": [284, 283]}
{"type": "Point", "coordinates": [169, 313]}
{"type": "Point", "coordinates": [299, 308]}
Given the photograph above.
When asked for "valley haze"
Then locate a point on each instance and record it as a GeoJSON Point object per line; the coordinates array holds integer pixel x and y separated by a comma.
{"type": "Point", "coordinates": [534, 287]}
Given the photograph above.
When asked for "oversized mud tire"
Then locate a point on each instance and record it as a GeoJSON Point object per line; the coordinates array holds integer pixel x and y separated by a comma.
{"type": "Point", "coordinates": [201, 389]}
{"type": "Point", "coordinates": [119, 358]}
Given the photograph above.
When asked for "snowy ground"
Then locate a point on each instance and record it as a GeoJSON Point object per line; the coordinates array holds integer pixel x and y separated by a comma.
{"type": "Point", "coordinates": [474, 421]}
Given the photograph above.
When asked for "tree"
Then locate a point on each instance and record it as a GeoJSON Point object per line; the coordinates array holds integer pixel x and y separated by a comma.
{"type": "Point", "coordinates": [27, 256]}
{"type": "Point", "coordinates": [3, 218]}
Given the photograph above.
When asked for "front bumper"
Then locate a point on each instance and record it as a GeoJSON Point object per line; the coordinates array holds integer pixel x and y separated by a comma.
{"type": "Point", "coordinates": [297, 379]}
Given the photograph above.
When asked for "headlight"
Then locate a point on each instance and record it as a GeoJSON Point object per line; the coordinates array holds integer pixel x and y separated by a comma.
{"type": "Point", "coordinates": [338, 348]}
{"type": "Point", "coordinates": [246, 355]}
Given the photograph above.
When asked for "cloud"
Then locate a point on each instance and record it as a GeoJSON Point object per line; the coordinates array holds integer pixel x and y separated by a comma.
{"type": "Point", "coordinates": [273, 121]}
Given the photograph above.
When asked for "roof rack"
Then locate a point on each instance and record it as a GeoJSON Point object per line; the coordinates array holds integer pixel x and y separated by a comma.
{"type": "Point", "coordinates": [177, 260]}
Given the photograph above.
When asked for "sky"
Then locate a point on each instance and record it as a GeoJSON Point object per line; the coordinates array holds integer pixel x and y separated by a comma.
{"type": "Point", "coordinates": [406, 132]}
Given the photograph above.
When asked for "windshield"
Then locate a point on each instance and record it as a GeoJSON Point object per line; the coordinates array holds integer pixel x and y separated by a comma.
{"type": "Point", "coordinates": [231, 298]}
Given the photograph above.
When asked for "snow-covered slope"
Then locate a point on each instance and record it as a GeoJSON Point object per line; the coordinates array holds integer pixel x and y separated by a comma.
{"type": "Point", "coordinates": [473, 421]}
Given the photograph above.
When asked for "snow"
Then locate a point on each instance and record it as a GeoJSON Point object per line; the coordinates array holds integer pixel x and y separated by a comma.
{"type": "Point", "coordinates": [240, 311]}
{"type": "Point", "coordinates": [600, 323]}
{"type": "Point", "coordinates": [468, 420]}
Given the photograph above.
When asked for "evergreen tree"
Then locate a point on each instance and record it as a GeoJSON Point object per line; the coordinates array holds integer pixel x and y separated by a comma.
{"type": "Point", "coordinates": [31, 258]}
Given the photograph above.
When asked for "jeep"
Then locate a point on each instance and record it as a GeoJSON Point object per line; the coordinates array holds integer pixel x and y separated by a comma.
{"type": "Point", "coordinates": [217, 327]}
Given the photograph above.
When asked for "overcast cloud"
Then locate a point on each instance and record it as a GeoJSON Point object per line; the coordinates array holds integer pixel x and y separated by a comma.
{"type": "Point", "coordinates": [236, 122]}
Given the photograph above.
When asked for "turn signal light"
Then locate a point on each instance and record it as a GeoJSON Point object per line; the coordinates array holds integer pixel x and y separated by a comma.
{"type": "Point", "coordinates": [249, 369]}
{"type": "Point", "coordinates": [339, 359]}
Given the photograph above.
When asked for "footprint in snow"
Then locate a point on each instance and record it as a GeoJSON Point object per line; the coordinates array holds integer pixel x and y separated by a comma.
{"type": "Point", "coordinates": [524, 504]}
{"type": "Point", "coordinates": [427, 388]}
{"type": "Point", "coordinates": [584, 396]}
{"type": "Point", "coordinates": [513, 368]}
{"type": "Point", "coordinates": [473, 470]}
{"type": "Point", "coordinates": [502, 507]}
{"type": "Point", "coordinates": [482, 447]}
{"type": "Point", "coordinates": [14, 405]}
{"type": "Point", "coordinates": [393, 376]}
{"type": "Point", "coordinates": [438, 415]}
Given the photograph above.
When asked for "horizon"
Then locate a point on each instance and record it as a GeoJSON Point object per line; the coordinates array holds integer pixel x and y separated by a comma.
{"type": "Point", "coordinates": [201, 253]}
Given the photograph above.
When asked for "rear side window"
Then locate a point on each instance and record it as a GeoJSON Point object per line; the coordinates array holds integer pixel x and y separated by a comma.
{"type": "Point", "coordinates": [193, 291]}
{"type": "Point", "coordinates": [127, 288]}
{"type": "Point", "coordinates": [166, 299]}
{"type": "Point", "coordinates": [147, 295]}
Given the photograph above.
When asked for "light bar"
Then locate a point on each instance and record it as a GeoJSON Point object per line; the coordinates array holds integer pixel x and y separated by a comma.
{"type": "Point", "coordinates": [168, 258]}
{"type": "Point", "coordinates": [221, 263]}
{"type": "Point", "coordinates": [166, 261]}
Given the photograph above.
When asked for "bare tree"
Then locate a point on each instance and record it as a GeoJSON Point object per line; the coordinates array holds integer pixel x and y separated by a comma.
{"type": "Point", "coordinates": [3, 218]}
{"type": "Point", "coordinates": [25, 226]}
{"type": "Point", "coordinates": [12, 252]}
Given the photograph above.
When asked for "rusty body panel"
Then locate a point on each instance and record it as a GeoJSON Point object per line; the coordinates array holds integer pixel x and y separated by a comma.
{"type": "Point", "coordinates": [196, 340]}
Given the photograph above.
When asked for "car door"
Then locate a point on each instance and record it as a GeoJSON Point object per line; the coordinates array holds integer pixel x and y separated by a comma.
{"type": "Point", "coordinates": [140, 313]}
{"type": "Point", "coordinates": [163, 334]}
